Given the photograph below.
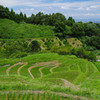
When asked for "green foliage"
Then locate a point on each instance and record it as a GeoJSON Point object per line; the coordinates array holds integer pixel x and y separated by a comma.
{"type": "Point", "coordinates": [79, 52]}
{"type": "Point", "coordinates": [49, 44]}
{"type": "Point", "coordinates": [15, 48]}
{"type": "Point", "coordinates": [18, 55]}
{"type": "Point", "coordinates": [4, 12]}
{"type": "Point", "coordinates": [82, 53]}
{"type": "Point", "coordinates": [59, 27]}
{"type": "Point", "coordinates": [35, 46]}
{"type": "Point", "coordinates": [11, 30]}
{"type": "Point", "coordinates": [78, 29]}
{"type": "Point", "coordinates": [91, 29]}
{"type": "Point", "coordinates": [70, 21]}
{"type": "Point", "coordinates": [91, 43]}
{"type": "Point", "coordinates": [64, 50]}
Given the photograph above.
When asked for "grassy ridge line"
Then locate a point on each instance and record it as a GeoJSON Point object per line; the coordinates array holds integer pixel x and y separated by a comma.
{"type": "Point", "coordinates": [40, 70]}
{"type": "Point", "coordinates": [46, 70]}
{"type": "Point", "coordinates": [51, 70]}
{"type": "Point", "coordinates": [24, 64]}
{"type": "Point", "coordinates": [40, 64]}
{"type": "Point", "coordinates": [29, 70]}
{"type": "Point", "coordinates": [8, 70]}
{"type": "Point", "coordinates": [56, 65]}
{"type": "Point", "coordinates": [14, 70]}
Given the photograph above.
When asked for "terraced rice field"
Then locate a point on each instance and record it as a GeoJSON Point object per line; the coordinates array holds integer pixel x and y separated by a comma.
{"type": "Point", "coordinates": [51, 72]}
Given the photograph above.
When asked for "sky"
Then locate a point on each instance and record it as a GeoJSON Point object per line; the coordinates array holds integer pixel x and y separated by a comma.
{"type": "Point", "coordinates": [80, 10]}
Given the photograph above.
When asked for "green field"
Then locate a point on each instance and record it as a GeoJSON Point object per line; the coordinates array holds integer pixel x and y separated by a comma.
{"type": "Point", "coordinates": [58, 73]}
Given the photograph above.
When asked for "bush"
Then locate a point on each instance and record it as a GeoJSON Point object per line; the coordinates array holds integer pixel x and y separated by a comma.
{"type": "Point", "coordinates": [49, 44]}
{"type": "Point", "coordinates": [64, 50]}
{"type": "Point", "coordinates": [79, 52]}
{"type": "Point", "coordinates": [35, 46]}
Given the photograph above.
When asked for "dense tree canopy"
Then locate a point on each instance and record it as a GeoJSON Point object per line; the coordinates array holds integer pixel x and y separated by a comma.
{"type": "Point", "coordinates": [78, 29]}
{"type": "Point", "coordinates": [70, 21]}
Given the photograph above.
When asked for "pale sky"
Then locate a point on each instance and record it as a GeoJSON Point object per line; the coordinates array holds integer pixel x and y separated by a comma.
{"type": "Point", "coordinates": [78, 9]}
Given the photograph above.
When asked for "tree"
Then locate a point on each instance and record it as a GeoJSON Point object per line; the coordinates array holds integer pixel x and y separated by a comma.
{"type": "Point", "coordinates": [78, 29]}
{"type": "Point", "coordinates": [38, 18]}
{"type": "Point", "coordinates": [12, 15]}
{"type": "Point", "coordinates": [21, 17]}
{"type": "Point", "coordinates": [4, 12]}
{"type": "Point", "coordinates": [25, 17]}
{"type": "Point", "coordinates": [93, 41]}
{"type": "Point", "coordinates": [91, 29]}
{"type": "Point", "coordinates": [59, 27]}
{"type": "Point", "coordinates": [35, 46]}
{"type": "Point", "coordinates": [17, 18]}
{"type": "Point", "coordinates": [70, 21]}
{"type": "Point", "coordinates": [54, 18]}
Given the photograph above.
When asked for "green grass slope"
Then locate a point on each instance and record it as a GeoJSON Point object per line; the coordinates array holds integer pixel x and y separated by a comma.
{"type": "Point", "coordinates": [11, 30]}
{"type": "Point", "coordinates": [56, 77]}
{"type": "Point", "coordinates": [97, 65]}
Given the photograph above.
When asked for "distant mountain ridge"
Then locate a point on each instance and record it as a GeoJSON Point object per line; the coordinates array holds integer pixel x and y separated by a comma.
{"type": "Point", "coordinates": [88, 20]}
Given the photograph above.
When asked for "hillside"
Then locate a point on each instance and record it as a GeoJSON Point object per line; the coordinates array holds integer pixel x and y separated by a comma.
{"type": "Point", "coordinates": [48, 57]}
{"type": "Point", "coordinates": [53, 72]}
{"type": "Point", "coordinates": [12, 30]}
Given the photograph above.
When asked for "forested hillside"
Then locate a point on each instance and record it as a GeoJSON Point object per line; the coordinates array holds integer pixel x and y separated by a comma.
{"type": "Point", "coordinates": [88, 33]}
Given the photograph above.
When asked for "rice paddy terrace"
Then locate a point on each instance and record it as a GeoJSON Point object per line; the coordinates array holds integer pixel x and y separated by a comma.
{"type": "Point", "coordinates": [66, 76]}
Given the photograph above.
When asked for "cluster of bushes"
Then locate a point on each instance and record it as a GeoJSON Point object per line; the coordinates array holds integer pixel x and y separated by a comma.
{"type": "Point", "coordinates": [79, 52]}
{"type": "Point", "coordinates": [18, 48]}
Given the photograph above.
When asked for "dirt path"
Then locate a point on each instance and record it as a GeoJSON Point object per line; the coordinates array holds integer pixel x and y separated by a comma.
{"type": "Point", "coordinates": [41, 64]}
{"type": "Point", "coordinates": [42, 92]}
{"type": "Point", "coordinates": [24, 64]}
{"type": "Point", "coordinates": [29, 70]}
{"type": "Point", "coordinates": [68, 84]}
{"type": "Point", "coordinates": [56, 65]}
{"type": "Point", "coordinates": [8, 70]}
{"type": "Point", "coordinates": [41, 73]}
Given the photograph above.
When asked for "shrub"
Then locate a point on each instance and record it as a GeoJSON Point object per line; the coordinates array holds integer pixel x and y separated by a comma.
{"type": "Point", "coordinates": [64, 50]}
{"type": "Point", "coordinates": [49, 44]}
{"type": "Point", "coordinates": [35, 46]}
